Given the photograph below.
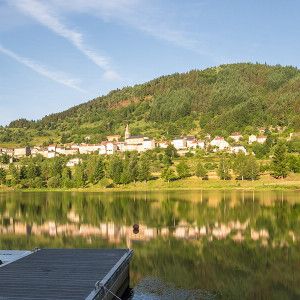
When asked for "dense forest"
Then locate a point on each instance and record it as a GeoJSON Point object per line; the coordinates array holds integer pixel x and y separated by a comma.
{"type": "Point", "coordinates": [216, 100]}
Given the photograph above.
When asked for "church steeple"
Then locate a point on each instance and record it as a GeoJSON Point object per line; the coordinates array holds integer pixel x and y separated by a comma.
{"type": "Point", "coordinates": [127, 132]}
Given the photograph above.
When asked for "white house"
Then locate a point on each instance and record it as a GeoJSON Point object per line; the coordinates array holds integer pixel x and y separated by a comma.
{"type": "Point", "coordinates": [51, 154]}
{"type": "Point", "coordinates": [179, 143]}
{"type": "Point", "coordinates": [22, 152]}
{"type": "Point", "coordinates": [52, 148]}
{"type": "Point", "coordinates": [60, 150]}
{"type": "Point", "coordinates": [111, 148]}
{"type": "Point", "coordinates": [40, 151]}
{"type": "Point", "coordinates": [191, 142]}
{"type": "Point", "coordinates": [73, 162]}
{"type": "Point", "coordinates": [135, 139]}
{"type": "Point", "coordinates": [34, 151]}
{"type": "Point", "coordinates": [70, 151]}
{"type": "Point", "coordinates": [236, 136]}
{"type": "Point", "coordinates": [201, 144]}
{"type": "Point", "coordinates": [107, 148]}
{"type": "Point", "coordinates": [252, 139]}
{"type": "Point", "coordinates": [261, 139]}
{"type": "Point", "coordinates": [74, 146]}
{"type": "Point", "coordinates": [219, 142]}
{"type": "Point", "coordinates": [237, 149]}
{"type": "Point", "coordinates": [88, 148]}
{"type": "Point", "coordinates": [163, 144]}
{"type": "Point", "coordinates": [133, 147]}
{"type": "Point", "coordinates": [102, 149]}
{"type": "Point", "coordinates": [148, 144]}
{"type": "Point", "coordinates": [194, 144]}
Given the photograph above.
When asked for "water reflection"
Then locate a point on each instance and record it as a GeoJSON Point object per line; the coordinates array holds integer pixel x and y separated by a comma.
{"type": "Point", "coordinates": [146, 216]}
{"type": "Point", "coordinates": [226, 243]}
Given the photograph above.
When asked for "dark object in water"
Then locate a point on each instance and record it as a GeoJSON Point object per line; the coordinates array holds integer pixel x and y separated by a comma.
{"type": "Point", "coordinates": [136, 228]}
{"type": "Point", "coordinates": [1, 262]}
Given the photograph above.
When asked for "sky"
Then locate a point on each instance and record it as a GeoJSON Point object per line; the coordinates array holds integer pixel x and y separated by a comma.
{"type": "Point", "coordinates": [55, 54]}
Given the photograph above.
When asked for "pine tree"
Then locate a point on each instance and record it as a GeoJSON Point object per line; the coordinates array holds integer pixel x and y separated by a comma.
{"type": "Point", "coordinates": [144, 169]}
{"type": "Point", "coordinates": [54, 182]}
{"type": "Point", "coordinates": [183, 170]}
{"type": "Point", "coordinates": [32, 171]}
{"type": "Point", "coordinates": [91, 168]}
{"type": "Point", "coordinates": [126, 175]}
{"type": "Point", "coordinates": [2, 176]}
{"type": "Point", "coordinates": [280, 162]}
{"type": "Point", "coordinates": [240, 165]}
{"type": "Point", "coordinates": [168, 174]}
{"type": "Point", "coordinates": [133, 167]}
{"type": "Point", "coordinates": [224, 169]}
{"type": "Point", "coordinates": [252, 168]}
{"type": "Point", "coordinates": [79, 176]}
{"type": "Point", "coordinates": [14, 173]}
{"type": "Point", "coordinates": [23, 172]}
{"type": "Point", "coordinates": [66, 177]}
{"type": "Point", "coordinates": [55, 167]}
{"type": "Point", "coordinates": [171, 152]}
{"type": "Point", "coordinates": [4, 158]}
{"type": "Point", "coordinates": [167, 160]}
{"type": "Point", "coordinates": [294, 163]}
{"type": "Point", "coordinates": [200, 170]}
{"type": "Point", "coordinates": [45, 170]}
{"type": "Point", "coordinates": [99, 172]}
{"type": "Point", "coordinates": [115, 168]}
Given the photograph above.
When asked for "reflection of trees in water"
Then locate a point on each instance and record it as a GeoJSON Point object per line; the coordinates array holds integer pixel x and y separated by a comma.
{"type": "Point", "coordinates": [237, 271]}
{"type": "Point", "coordinates": [155, 210]}
{"type": "Point", "coordinates": [62, 241]}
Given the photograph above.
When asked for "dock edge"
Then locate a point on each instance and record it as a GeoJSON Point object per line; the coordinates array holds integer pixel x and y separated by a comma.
{"type": "Point", "coordinates": [115, 281]}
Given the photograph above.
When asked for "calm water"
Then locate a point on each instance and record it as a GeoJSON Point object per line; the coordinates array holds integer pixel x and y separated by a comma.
{"type": "Point", "coordinates": [190, 245]}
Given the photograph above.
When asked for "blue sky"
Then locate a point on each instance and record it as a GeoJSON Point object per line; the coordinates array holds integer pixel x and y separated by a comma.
{"type": "Point", "coordinates": [55, 54]}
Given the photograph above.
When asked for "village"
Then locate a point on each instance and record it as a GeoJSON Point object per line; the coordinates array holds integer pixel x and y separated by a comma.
{"type": "Point", "coordinates": [140, 143]}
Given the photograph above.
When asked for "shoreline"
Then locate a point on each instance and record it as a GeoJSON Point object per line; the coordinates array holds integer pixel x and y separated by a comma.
{"type": "Point", "coordinates": [188, 184]}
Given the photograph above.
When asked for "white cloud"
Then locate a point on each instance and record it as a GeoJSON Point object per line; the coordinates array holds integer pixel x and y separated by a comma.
{"type": "Point", "coordinates": [56, 76]}
{"type": "Point", "coordinates": [46, 15]}
{"type": "Point", "coordinates": [146, 16]}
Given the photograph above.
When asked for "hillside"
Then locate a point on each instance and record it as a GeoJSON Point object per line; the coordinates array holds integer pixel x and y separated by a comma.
{"type": "Point", "coordinates": [216, 100]}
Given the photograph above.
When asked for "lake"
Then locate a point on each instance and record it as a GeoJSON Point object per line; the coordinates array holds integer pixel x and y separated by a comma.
{"type": "Point", "coordinates": [190, 244]}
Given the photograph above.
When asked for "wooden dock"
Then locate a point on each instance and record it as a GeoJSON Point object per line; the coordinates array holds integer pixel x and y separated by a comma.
{"type": "Point", "coordinates": [64, 274]}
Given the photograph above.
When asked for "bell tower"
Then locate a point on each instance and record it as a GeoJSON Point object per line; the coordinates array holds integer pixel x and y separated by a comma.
{"type": "Point", "coordinates": [127, 132]}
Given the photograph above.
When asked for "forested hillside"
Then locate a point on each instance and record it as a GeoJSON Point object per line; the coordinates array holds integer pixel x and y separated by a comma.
{"type": "Point", "coordinates": [218, 100]}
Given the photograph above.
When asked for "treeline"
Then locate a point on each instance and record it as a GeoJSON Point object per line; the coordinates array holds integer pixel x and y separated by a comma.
{"type": "Point", "coordinates": [39, 172]}
{"type": "Point", "coordinates": [125, 168]}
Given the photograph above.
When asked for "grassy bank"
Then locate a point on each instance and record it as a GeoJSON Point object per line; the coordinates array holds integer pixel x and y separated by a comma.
{"type": "Point", "coordinates": [266, 182]}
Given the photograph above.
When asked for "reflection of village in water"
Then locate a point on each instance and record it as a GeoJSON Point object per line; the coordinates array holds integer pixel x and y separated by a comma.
{"type": "Point", "coordinates": [235, 216]}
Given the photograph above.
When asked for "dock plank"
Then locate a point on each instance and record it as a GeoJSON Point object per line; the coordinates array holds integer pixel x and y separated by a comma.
{"type": "Point", "coordinates": [57, 273]}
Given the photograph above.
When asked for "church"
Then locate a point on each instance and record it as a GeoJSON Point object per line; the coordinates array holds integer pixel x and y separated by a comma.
{"type": "Point", "coordinates": [138, 143]}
